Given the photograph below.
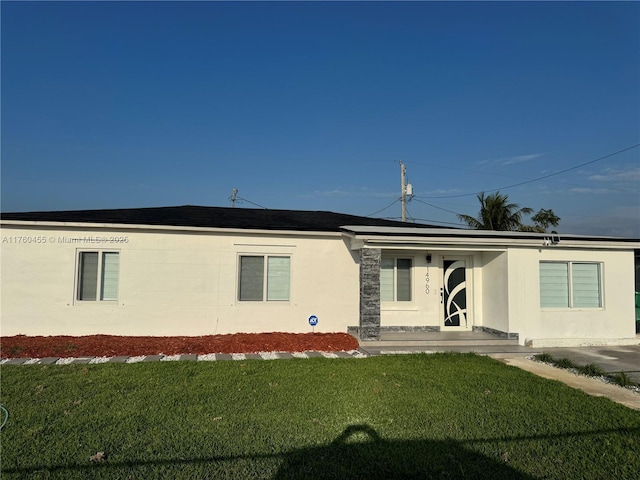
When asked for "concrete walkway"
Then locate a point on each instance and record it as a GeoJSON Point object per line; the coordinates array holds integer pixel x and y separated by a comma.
{"type": "Point", "coordinates": [592, 386]}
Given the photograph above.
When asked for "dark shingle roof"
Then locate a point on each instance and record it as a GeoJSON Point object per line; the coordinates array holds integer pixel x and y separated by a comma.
{"type": "Point", "coordinates": [213, 217]}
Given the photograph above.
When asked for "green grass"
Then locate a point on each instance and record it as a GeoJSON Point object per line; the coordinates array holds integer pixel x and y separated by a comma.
{"type": "Point", "coordinates": [415, 416]}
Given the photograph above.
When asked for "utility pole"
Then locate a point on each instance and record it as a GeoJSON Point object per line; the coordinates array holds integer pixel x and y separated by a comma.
{"type": "Point", "coordinates": [406, 190]}
{"type": "Point", "coordinates": [403, 190]}
{"type": "Point", "coordinates": [234, 192]}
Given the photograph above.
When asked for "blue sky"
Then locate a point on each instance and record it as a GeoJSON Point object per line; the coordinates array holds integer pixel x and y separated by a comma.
{"type": "Point", "coordinates": [312, 106]}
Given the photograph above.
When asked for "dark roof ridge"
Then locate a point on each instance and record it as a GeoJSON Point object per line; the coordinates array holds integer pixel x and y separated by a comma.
{"type": "Point", "coordinates": [211, 217]}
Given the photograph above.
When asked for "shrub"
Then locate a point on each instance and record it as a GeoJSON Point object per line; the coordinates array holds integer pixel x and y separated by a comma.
{"type": "Point", "coordinates": [592, 370]}
{"type": "Point", "coordinates": [543, 357]}
{"type": "Point", "coordinates": [622, 379]}
{"type": "Point", "coordinates": [564, 363]}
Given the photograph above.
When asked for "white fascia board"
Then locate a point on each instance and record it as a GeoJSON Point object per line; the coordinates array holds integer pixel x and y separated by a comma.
{"type": "Point", "coordinates": [439, 248]}
{"type": "Point", "coordinates": [163, 228]}
{"type": "Point", "coordinates": [462, 232]}
{"type": "Point", "coordinates": [490, 244]}
{"type": "Point", "coordinates": [412, 244]}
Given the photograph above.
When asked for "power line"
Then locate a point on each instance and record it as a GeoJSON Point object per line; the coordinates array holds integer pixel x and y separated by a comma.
{"type": "Point", "coordinates": [544, 176]}
{"type": "Point", "coordinates": [565, 216]}
{"type": "Point", "coordinates": [434, 206]}
{"type": "Point", "coordinates": [492, 173]}
{"type": "Point", "coordinates": [408, 215]}
{"type": "Point", "coordinates": [248, 201]}
{"type": "Point", "coordinates": [382, 209]}
{"type": "Point", "coordinates": [235, 197]}
{"type": "Point", "coordinates": [427, 220]}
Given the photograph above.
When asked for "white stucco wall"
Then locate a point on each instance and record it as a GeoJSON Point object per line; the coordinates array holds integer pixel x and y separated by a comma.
{"type": "Point", "coordinates": [172, 283]}
{"type": "Point", "coordinates": [494, 292]}
{"type": "Point", "coordinates": [611, 324]}
{"type": "Point", "coordinates": [178, 282]}
{"type": "Point", "coordinates": [424, 307]}
{"type": "Point", "coordinates": [503, 294]}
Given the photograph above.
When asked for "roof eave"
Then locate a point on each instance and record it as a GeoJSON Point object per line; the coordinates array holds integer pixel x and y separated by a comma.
{"type": "Point", "coordinates": [166, 228]}
{"type": "Point", "coordinates": [392, 236]}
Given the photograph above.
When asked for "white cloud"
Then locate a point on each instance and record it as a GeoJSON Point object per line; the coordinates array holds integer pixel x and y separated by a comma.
{"type": "Point", "coordinates": [439, 191]}
{"type": "Point", "coordinates": [336, 193]}
{"type": "Point", "coordinates": [520, 158]}
{"type": "Point", "coordinates": [361, 192]}
{"type": "Point", "coordinates": [512, 160]}
{"type": "Point", "coordinates": [596, 191]}
{"type": "Point", "coordinates": [611, 174]}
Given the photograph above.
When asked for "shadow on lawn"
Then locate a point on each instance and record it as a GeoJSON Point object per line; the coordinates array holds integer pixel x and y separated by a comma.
{"type": "Point", "coordinates": [359, 452]}
{"type": "Point", "coordinates": [375, 458]}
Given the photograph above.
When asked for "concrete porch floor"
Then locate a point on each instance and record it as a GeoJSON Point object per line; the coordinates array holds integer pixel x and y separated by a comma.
{"type": "Point", "coordinates": [466, 340]}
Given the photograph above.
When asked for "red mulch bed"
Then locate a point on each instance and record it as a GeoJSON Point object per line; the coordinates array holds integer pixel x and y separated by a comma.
{"type": "Point", "coordinates": [21, 346]}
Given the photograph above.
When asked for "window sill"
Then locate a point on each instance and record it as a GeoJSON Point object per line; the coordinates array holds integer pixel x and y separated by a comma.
{"type": "Point", "coordinates": [572, 309]}
{"type": "Point", "coordinates": [263, 302]}
{"type": "Point", "coordinates": [399, 308]}
{"type": "Point", "coordinates": [96, 302]}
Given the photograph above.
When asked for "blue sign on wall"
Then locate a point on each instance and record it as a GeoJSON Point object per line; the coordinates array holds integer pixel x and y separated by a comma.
{"type": "Point", "coordinates": [313, 320]}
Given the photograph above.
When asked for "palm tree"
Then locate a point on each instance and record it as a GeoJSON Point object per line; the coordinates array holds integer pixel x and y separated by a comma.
{"type": "Point", "coordinates": [496, 213]}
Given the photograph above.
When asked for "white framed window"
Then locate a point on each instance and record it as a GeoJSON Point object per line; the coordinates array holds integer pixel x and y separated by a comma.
{"type": "Point", "coordinates": [98, 275]}
{"type": "Point", "coordinates": [264, 278]}
{"type": "Point", "coordinates": [395, 279]}
{"type": "Point", "coordinates": [570, 285]}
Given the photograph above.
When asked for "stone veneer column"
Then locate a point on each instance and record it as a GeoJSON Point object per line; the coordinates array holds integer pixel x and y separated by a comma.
{"type": "Point", "coordinates": [370, 294]}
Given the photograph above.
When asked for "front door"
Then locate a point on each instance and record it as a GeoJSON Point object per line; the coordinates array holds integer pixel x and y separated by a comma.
{"type": "Point", "coordinates": [454, 294]}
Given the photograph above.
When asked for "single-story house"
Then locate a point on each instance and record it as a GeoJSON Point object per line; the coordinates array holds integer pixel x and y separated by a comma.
{"type": "Point", "coordinates": [193, 270]}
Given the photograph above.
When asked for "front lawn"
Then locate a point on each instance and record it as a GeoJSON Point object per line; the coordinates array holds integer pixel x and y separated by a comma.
{"type": "Point", "coordinates": [413, 416]}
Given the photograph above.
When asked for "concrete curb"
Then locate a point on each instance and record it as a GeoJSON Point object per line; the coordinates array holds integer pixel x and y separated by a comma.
{"type": "Point", "coordinates": [186, 357]}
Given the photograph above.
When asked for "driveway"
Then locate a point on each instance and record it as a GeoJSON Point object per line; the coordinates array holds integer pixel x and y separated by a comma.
{"type": "Point", "coordinates": [611, 359]}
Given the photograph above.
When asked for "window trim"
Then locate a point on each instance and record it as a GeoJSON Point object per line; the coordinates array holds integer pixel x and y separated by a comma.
{"type": "Point", "coordinates": [265, 278]}
{"type": "Point", "coordinates": [570, 285]}
{"type": "Point", "coordinates": [411, 269]}
{"type": "Point", "coordinates": [99, 280]}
